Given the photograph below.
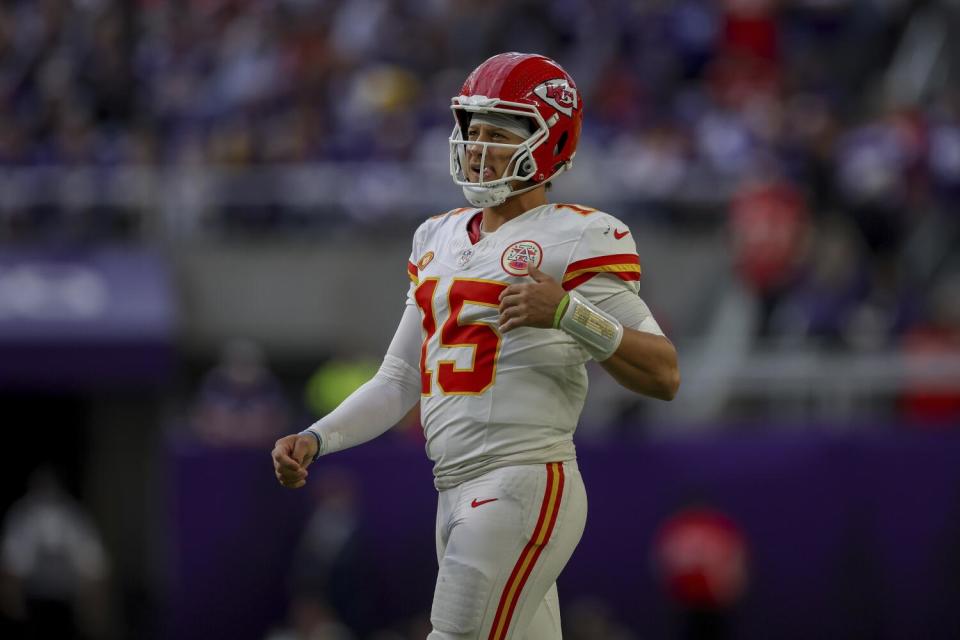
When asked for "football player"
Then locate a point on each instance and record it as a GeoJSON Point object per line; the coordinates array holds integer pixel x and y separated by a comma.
{"type": "Point", "coordinates": [508, 300]}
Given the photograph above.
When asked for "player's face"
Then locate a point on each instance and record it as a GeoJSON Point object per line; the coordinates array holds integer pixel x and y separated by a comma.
{"type": "Point", "coordinates": [498, 158]}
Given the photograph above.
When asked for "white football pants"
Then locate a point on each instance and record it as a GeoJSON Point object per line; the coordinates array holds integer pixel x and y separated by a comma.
{"type": "Point", "coordinates": [502, 540]}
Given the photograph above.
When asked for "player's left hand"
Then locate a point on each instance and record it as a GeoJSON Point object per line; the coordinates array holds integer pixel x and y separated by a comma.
{"type": "Point", "coordinates": [291, 456]}
{"type": "Point", "coordinates": [530, 305]}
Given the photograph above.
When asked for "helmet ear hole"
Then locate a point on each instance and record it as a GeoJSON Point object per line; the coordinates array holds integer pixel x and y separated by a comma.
{"type": "Point", "coordinates": [561, 143]}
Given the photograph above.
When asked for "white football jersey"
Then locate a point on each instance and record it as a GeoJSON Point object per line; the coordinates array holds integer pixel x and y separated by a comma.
{"type": "Point", "coordinates": [490, 399]}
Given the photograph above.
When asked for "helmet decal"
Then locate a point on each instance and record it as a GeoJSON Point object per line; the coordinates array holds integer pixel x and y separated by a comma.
{"type": "Point", "coordinates": [559, 94]}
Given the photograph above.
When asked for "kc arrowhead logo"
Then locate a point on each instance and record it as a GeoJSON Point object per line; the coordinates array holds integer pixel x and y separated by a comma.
{"type": "Point", "coordinates": [559, 95]}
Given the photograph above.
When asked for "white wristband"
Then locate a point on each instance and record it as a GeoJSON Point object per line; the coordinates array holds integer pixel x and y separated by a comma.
{"type": "Point", "coordinates": [596, 330]}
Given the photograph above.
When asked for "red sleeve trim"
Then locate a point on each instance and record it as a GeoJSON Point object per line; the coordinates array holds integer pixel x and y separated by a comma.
{"type": "Point", "coordinates": [576, 281]}
{"type": "Point", "coordinates": [618, 258]}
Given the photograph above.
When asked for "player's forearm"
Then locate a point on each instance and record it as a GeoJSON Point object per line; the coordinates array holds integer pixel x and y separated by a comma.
{"type": "Point", "coordinates": [372, 409]}
{"type": "Point", "coordinates": [645, 363]}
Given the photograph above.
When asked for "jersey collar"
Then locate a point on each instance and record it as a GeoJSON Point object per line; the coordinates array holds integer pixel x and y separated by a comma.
{"type": "Point", "coordinates": [475, 222]}
{"type": "Point", "coordinates": [473, 227]}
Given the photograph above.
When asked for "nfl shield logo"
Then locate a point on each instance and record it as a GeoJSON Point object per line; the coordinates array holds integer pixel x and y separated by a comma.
{"type": "Point", "coordinates": [464, 258]}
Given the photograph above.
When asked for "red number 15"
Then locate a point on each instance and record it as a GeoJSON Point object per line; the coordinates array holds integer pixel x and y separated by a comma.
{"type": "Point", "coordinates": [479, 336]}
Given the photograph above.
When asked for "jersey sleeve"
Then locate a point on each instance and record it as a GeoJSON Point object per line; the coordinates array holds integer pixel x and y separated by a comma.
{"type": "Point", "coordinates": [383, 400]}
{"type": "Point", "coordinates": [413, 270]}
{"type": "Point", "coordinates": [605, 248]}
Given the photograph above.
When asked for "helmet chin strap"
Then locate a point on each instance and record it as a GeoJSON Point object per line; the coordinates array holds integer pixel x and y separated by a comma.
{"type": "Point", "coordinates": [496, 195]}
{"type": "Point", "coordinates": [487, 196]}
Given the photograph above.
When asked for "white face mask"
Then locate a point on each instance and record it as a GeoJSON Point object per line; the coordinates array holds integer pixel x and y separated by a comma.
{"type": "Point", "coordinates": [491, 193]}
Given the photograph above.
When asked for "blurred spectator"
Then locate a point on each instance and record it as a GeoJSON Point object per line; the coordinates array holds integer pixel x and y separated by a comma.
{"type": "Point", "coordinates": [844, 296]}
{"type": "Point", "coordinates": [328, 576]}
{"type": "Point", "coordinates": [240, 401]}
{"type": "Point", "coordinates": [701, 557]}
{"type": "Point", "coordinates": [769, 225]}
{"type": "Point", "coordinates": [54, 570]}
{"type": "Point", "coordinates": [832, 282]}
{"type": "Point", "coordinates": [876, 169]}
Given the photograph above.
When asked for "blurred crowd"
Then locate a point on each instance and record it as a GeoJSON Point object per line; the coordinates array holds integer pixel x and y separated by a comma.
{"type": "Point", "coordinates": [729, 88]}
{"type": "Point", "coordinates": [828, 130]}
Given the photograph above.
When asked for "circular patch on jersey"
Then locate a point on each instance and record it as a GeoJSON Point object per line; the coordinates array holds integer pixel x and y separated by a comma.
{"type": "Point", "coordinates": [424, 260]}
{"type": "Point", "coordinates": [517, 256]}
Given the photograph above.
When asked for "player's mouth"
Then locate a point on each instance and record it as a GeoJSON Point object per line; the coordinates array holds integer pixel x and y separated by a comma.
{"type": "Point", "coordinates": [488, 173]}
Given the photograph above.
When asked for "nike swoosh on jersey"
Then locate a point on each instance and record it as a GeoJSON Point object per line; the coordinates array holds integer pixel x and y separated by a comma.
{"type": "Point", "coordinates": [619, 234]}
{"type": "Point", "coordinates": [476, 503]}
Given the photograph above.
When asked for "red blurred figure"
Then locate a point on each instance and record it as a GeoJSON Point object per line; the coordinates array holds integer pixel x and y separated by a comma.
{"type": "Point", "coordinates": [768, 222]}
{"type": "Point", "coordinates": [769, 228]}
{"type": "Point", "coordinates": [750, 27]}
{"type": "Point", "coordinates": [747, 65]}
{"type": "Point", "coordinates": [701, 558]}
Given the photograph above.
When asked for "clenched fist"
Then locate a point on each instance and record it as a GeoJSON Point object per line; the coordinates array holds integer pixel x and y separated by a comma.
{"type": "Point", "coordinates": [291, 456]}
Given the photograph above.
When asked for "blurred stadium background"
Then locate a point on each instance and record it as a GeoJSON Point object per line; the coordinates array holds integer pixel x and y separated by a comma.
{"type": "Point", "coordinates": [205, 210]}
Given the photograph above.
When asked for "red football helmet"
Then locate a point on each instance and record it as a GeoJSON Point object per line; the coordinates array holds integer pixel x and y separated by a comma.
{"type": "Point", "coordinates": [538, 91]}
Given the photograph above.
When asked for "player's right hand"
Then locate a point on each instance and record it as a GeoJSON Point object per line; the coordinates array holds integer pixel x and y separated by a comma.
{"type": "Point", "coordinates": [291, 456]}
